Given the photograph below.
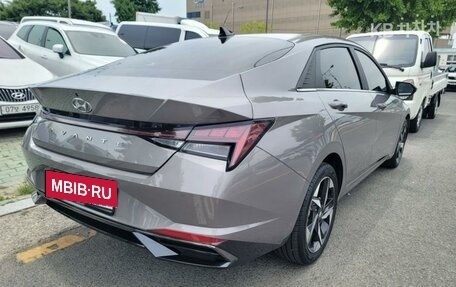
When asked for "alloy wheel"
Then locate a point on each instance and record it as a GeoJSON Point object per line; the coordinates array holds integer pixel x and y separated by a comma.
{"type": "Point", "coordinates": [320, 214]}
{"type": "Point", "coordinates": [401, 142]}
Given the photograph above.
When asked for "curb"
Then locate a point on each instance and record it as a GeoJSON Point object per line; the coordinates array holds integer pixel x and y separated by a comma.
{"type": "Point", "coordinates": [16, 206]}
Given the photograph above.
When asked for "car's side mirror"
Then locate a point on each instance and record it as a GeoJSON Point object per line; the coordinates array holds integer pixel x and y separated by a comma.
{"type": "Point", "coordinates": [59, 49]}
{"type": "Point", "coordinates": [430, 60]}
{"type": "Point", "coordinates": [404, 90]}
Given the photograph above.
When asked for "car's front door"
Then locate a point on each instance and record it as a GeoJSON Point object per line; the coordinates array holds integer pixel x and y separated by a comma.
{"type": "Point", "coordinates": [53, 61]}
{"type": "Point", "coordinates": [386, 106]}
{"type": "Point", "coordinates": [349, 105]}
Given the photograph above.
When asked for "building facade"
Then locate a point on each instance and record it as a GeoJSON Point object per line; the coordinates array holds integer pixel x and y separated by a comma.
{"type": "Point", "coordinates": [289, 16]}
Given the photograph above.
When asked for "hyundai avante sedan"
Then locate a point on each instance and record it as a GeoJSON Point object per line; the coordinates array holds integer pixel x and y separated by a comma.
{"type": "Point", "coordinates": [215, 151]}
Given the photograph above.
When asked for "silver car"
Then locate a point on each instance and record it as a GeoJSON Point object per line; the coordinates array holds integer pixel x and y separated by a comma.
{"type": "Point", "coordinates": [215, 151]}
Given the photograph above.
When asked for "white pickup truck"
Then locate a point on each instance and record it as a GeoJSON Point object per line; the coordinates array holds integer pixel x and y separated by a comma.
{"type": "Point", "coordinates": [408, 56]}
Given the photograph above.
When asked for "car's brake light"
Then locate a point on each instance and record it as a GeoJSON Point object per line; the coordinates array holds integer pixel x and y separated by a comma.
{"type": "Point", "coordinates": [188, 236]}
{"type": "Point", "coordinates": [231, 142]}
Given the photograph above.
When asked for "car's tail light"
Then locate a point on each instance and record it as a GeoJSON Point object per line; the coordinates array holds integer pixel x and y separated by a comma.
{"type": "Point", "coordinates": [231, 142]}
{"type": "Point", "coordinates": [188, 236]}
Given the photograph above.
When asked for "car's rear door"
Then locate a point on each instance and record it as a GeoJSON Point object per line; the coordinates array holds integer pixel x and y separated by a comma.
{"type": "Point", "coordinates": [385, 103]}
{"type": "Point", "coordinates": [34, 46]}
{"type": "Point", "coordinates": [340, 88]}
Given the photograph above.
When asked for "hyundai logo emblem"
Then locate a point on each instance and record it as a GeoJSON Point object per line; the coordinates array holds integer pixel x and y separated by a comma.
{"type": "Point", "coordinates": [81, 105]}
{"type": "Point", "coordinates": [18, 96]}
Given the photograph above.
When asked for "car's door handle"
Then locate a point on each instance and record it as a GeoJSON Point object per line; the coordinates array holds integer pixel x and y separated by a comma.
{"type": "Point", "coordinates": [44, 57]}
{"type": "Point", "coordinates": [381, 106]}
{"type": "Point", "coordinates": [338, 105]}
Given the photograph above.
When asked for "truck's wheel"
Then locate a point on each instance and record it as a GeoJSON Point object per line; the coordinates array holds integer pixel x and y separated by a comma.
{"type": "Point", "coordinates": [431, 110]}
{"type": "Point", "coordinates": [415, 124]}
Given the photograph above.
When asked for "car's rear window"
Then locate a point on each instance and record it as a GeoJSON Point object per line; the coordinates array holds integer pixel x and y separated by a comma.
{"type": "Point", "coordinates": [203, 59]}
{"type": "Point", "coordinates": [7, 52]}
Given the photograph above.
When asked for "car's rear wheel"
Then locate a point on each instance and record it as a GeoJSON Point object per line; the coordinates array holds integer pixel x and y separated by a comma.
{"type": "Point", "coordinates": [315, 220]}
{"type": "Point", "coordinates": [396, 159]}
{"type": "Point", "coordinates": [415, 124]}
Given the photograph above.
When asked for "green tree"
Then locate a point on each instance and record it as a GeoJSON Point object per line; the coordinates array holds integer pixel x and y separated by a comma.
{"type": "Point", "coordinates": [431, 15]}
{"type": "Point", "coordinates": [126, 9]}
{"type": "Point", "coordinates": [253, 27]}
{"type": "Point", "coordinates": [16, 9]}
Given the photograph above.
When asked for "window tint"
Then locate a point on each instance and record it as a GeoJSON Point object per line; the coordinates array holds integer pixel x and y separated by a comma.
{"type": "Point", "coordinates": [337, 69]}
{"type": "Point", "coordinates": [99, 44]}
{"type": "Point", "coordinates": [36, 35]}
{"type": "Point", "coordinates": [375, 79]}
{"type": "Point", "coordinates": [201, 59]}
{"type": "Point", "coordinates": [23, 32]}
{"type": "Point", "coordinates": [161, 36]}
{"type": "Point", "coordinates": [7, 52]}
{"type": "Point", "coordinates": [53, 37]}
{"type": "Point", "coordinates": [191, 35]}
{"type": "Point", "coordinates": [134, 35]}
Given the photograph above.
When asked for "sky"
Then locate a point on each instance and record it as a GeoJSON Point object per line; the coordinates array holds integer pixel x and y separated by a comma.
{"type": "Point", "coordinates": [168, 8]}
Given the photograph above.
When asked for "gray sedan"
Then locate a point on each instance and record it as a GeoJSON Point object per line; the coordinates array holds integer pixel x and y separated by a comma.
{"type": "Point", "coordinates": [215, 151]}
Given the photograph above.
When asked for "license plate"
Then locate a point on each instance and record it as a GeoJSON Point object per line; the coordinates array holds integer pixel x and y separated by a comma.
{"type": "Point", "coordinates": [81, 189]}
{"type": "Point", "coordinates": [19, 109]}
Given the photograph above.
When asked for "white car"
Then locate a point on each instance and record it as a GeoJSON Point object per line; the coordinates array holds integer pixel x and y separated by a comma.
{"type": "Point", "coordinates": [149, 35]}
{"type": "Point", "coordinates": [17, 73]}
{"type": "Point", "coordinates": [451, 70]}
{"type": "Point", "coordinates": [68, 48]}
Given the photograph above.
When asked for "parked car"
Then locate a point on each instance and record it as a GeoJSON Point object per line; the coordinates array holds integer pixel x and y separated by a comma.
{"type": "Point", "coordinates": [451, 70]}
{"type": "Point", "coordinates": [17, 104]}
{"type": "Point", "coordinates": [67, 21]}
{"type": "Point", "coordinates": [68, 48]}
{"type": "Point", "coordinates": [215, 164]}
{"type": "Point", "coordinates": [148, 35]}
{"type": "Point", "coordinates": [408, 56]}
{"type": "Point", "coordinates": [7, 29]}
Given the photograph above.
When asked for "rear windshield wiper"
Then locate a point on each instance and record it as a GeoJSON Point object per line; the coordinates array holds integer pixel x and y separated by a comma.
{"type": "Point", "coordinates": [392, 66]}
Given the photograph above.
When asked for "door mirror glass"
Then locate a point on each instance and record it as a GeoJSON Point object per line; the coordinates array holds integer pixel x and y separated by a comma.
{"type": "Point", "coordinates": [404, 90]}
{"type": "Point", "coordinates": [59, 49]}
{"type": "Point", "coordinates": [430, 61]}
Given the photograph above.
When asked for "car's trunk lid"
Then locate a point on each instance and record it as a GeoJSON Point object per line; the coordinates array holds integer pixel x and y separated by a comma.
{"type": "Point", "coordinates": [114, 130]}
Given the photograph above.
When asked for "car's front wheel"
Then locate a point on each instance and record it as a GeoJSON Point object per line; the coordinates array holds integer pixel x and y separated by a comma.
{"type": "Point", "coordinates": [415, 124]}
{"type": "Point", "coordinates": [315, 220]}
{"type": "Point", "coordinates": [396, 159]}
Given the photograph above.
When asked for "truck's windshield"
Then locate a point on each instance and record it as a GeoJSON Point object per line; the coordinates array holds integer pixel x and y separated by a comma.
{"type": "Point", "coordinates": [392, 50]}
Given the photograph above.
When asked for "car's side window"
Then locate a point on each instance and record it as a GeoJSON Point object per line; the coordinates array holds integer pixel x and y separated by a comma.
{"type": "Point", "coordinates": [191, 35]}
{"type": "Point", "coordinates": [375, 79]}
{"type": "Point", "coordinates": [134, 35]}
{"type": "Point", "coordinates": [161, 36]}
{"type": "Point", "coordinates": [337, 70]}
{"type": "Point", "coordinates": [23, 32]}
{"type": "Point", "coordinates": [53, 37]}
{"type": "Point", "coordinates": [36, 35]}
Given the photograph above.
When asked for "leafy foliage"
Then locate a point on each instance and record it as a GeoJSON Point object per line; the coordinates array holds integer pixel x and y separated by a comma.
{"type": "Point", "coordinates": [126, 9]}
{"type": "Point", "coordinates": [14, 10]}
{"type": "Point", "coordinates": [396, 14]}
{"type": "Point", "coordinates": [253, 27]}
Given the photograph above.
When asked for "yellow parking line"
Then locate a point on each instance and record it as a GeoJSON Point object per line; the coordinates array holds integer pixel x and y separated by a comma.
{"type": "Point", "coordinates": [63, 242]}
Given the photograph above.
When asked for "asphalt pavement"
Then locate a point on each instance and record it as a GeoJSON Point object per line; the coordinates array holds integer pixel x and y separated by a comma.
{"type": "Point", "coordinates": [397, 228]}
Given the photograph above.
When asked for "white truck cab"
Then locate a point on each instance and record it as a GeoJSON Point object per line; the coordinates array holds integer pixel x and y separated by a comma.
{"type": "Point", "coordinates": [408, 56]}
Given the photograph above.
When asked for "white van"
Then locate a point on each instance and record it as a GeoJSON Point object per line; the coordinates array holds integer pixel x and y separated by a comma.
{"type": "Point", "coordinates": [149, 35]}
{"type": "Point", "coordinates": [408, 56]}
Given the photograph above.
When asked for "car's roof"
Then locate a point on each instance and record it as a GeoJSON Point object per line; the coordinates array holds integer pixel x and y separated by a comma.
{"type": "Point", "coordinates": [68, 27]}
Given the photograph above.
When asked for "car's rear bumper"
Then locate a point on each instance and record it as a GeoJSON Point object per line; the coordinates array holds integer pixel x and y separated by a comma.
{"type": "Point", "coordinates": [225, 255]}
{"type": "Point", "coordinates": [252, 208]}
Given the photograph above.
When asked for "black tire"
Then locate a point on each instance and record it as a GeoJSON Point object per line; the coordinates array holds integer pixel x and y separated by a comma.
{"type": "Point", "coordinates": [297, 249]}
{"type": "Point", "coordinates": [415, 124]}
{"type": "Point", "coordinates": [394, 161]}
{"type": "Point", "coordinates": [431, 110]}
